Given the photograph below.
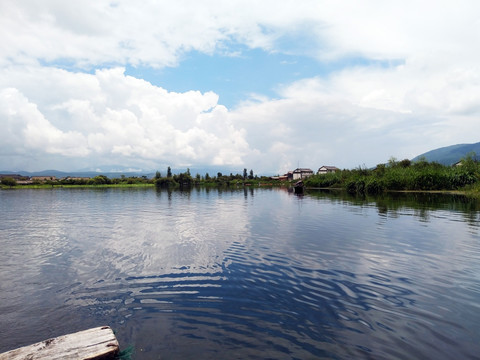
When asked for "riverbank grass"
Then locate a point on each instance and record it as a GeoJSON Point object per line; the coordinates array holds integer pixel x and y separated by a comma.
{"type": "Point", "coordinates": [403, 176]}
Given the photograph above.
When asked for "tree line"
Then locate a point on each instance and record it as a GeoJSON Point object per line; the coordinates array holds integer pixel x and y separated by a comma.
{"type": "Point", "coordinates": [185, 179]}
{"type": "Point", "coordinates": [182, 179]}
{"type": "Point", "coordinates": [394, 176]}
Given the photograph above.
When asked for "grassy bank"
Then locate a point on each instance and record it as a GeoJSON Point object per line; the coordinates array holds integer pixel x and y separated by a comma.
{"type": "Point", "coordinates": [403, 176]}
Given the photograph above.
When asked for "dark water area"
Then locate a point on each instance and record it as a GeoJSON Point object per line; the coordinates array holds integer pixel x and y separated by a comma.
{"type": "Point", "coordinates": [243, 274]}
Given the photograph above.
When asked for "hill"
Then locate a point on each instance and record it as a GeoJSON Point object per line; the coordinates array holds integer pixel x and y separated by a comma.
{"type": "Point", "coordinates": [449, 155]}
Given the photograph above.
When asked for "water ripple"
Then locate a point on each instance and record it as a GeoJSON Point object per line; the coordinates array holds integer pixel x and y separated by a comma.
{"type": "Point", "coordinates": [255, 274]}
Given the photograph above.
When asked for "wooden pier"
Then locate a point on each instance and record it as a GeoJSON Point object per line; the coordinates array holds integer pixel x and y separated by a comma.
{"type": "Point", "coordinates": [93, 344]}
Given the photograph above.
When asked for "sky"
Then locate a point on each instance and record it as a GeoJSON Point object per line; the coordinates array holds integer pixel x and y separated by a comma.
{"type": "Point", "coordinates": [268, 85]}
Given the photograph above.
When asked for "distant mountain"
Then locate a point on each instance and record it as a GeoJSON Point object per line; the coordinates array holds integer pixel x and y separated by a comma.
{"type": "Point", "coordinates": [63, 174]}
{"type": "Point", "coordinates": [449, 155]}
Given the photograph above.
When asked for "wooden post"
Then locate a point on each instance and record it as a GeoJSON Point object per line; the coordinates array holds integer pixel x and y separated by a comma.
{"type": "Point", "coordinates": [93, 344]}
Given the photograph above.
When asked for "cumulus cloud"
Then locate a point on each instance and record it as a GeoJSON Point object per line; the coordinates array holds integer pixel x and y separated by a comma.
{"type": "Point", "coordinates": [112, 116]}
{"type": "Point", "coordinates": [401, 79]}
{"type": "Point", "coordinates": [120, 32]}
{"type": "Point", "coordinates": [26, 127]}
{"type": "Point", "coordinates": [341, 121]}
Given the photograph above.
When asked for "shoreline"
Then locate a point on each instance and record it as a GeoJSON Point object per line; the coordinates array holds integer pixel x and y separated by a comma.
{"type": "Point", "coordinates": [466, 192]}
{"type": "Point", "coordinates": [449, 192]}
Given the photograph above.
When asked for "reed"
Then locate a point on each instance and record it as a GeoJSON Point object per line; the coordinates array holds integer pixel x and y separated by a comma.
{"type": "Point", "coordinates": [403, 175]}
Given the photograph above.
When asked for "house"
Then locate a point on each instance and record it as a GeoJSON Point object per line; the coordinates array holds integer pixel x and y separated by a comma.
{"type": "Point", "coordinates": [43, 178]}
{"type": "Point", "coordinates": [302, 173]}
{"type": "Point", "coordinates": [76, 178]}
{"type": "Point", "coordinates": [327, 169]}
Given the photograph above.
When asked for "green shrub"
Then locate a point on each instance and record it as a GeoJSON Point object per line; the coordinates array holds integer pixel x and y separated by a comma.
{"type": "Point", "coordinates": [8, 181]}
{"type": "Point", "coordinates": [374, 186]}
{"type": "Point", "coordinates": [165, 182]}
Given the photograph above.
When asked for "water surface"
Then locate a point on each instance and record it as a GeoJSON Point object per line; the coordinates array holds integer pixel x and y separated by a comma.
{"type": "Point", "coordinates": [243, 274]}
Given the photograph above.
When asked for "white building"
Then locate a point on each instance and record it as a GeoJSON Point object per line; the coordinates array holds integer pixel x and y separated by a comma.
{"type": "Point", "coordinates": [327, 169]}
{"type": "Point", "coordinates": [302, 173]}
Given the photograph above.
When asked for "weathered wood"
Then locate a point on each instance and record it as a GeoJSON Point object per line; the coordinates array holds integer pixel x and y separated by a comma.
{"type": "Point", "coordinates": [96, 343]}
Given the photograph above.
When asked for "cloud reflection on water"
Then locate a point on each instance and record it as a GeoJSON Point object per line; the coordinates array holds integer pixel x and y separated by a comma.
{"type": "Point", "coordinates": [258, 273]}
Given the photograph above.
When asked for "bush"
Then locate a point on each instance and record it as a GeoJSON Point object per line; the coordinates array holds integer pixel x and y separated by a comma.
{"type": "Point", "coordinates": [374, 186]}
{"type": "Point", "coordinates": [395, 180]}
{"type": "Point", "coordinates": [324, 180]}
{"type": "Point", "coordinates": [351, 186]}
{"type": "Point", "coordinates": [8, 181]}
{"type": "Point", "coordinates": [360, 186]}
{"type": "Point", "coordinates": [100, 180]}
{"type": "Point", "coordinates": [165, 182]}
{"type": "Point", "coordinates": [403, 175]}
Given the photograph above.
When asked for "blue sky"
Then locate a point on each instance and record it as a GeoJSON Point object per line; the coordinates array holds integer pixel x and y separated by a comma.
{"type": "Point", "coordinates": [251, 71]}
{"type": "Point", "coordinates": [233, 78]}
{"type": "Point", "coordinates": [264, 85]}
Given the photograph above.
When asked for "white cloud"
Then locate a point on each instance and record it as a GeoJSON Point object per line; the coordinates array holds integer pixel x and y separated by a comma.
{"type": "Point", "coordinates": [27, 128]}
{"type": "Point", "coordinates": [403, 78]}
{"type": "Point", "coordinates": [331, 122]}
{"type": "Point", "coordinates": [157, 33]}
{"type": "Point", "coordinates": [110, 115]}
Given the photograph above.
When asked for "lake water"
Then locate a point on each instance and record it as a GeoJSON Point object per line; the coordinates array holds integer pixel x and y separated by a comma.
{"type": "Point", "coordinates": [244, 274]}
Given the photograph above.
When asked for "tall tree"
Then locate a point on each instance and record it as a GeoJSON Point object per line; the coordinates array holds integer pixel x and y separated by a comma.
{"type": "Point", "coordinates": [169, 172]}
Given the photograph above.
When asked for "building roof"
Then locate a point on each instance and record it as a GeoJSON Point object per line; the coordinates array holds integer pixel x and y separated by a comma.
{"type": "Point", "coordinates": [328, 167]}
{"type": "Point", "coordinates": [302, 170]}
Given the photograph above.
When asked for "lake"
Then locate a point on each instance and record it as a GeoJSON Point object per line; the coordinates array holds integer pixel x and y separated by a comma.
{"type": "Point", "coordinates": [243, 274]}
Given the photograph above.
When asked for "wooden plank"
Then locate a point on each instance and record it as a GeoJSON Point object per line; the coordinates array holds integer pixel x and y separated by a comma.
{"type": "Point", "coordinates": [96, 343]}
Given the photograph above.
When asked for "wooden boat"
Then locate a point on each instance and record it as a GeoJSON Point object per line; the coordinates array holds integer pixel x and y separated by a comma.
{"type": "Point", "coordinates": [299, 187]}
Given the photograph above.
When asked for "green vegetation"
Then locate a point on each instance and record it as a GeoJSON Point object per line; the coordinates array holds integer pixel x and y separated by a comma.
{"type": "Point", "coordinates": [403, 175]}
{"type": "Point", "coordinates": [100, 180]}
{"type": "Point", "coordinates": [396, 175]}
{"type": "Point", "coordinates": [181, 180]}
{"type": "Point", "coordinates": [185, 180]}
{"type": "Point", "coordinates": [10, 182]}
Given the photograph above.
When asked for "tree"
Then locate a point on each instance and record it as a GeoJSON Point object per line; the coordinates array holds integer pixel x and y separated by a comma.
{"type": "Point", "coordinates": [165, 182]}
{"type": "Point", "coordinates": [158, 175]}
{"type": "Point", "coordinates": [244, 174]}
{"type": "Point", "coordinates": [184, 179]}
{"type": "Point", "coordinates": [392, 162]}
{"type": "Point", "coordinates": [251, 175]}
{"type": "Point", "coordinates": [169, 172]}
{"type": "Point", "coordinates": [101, 180]}
{"type": "Point", "coordinates": [8, 181]}
{"type": "Point", "coordinates": [405, 163]}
